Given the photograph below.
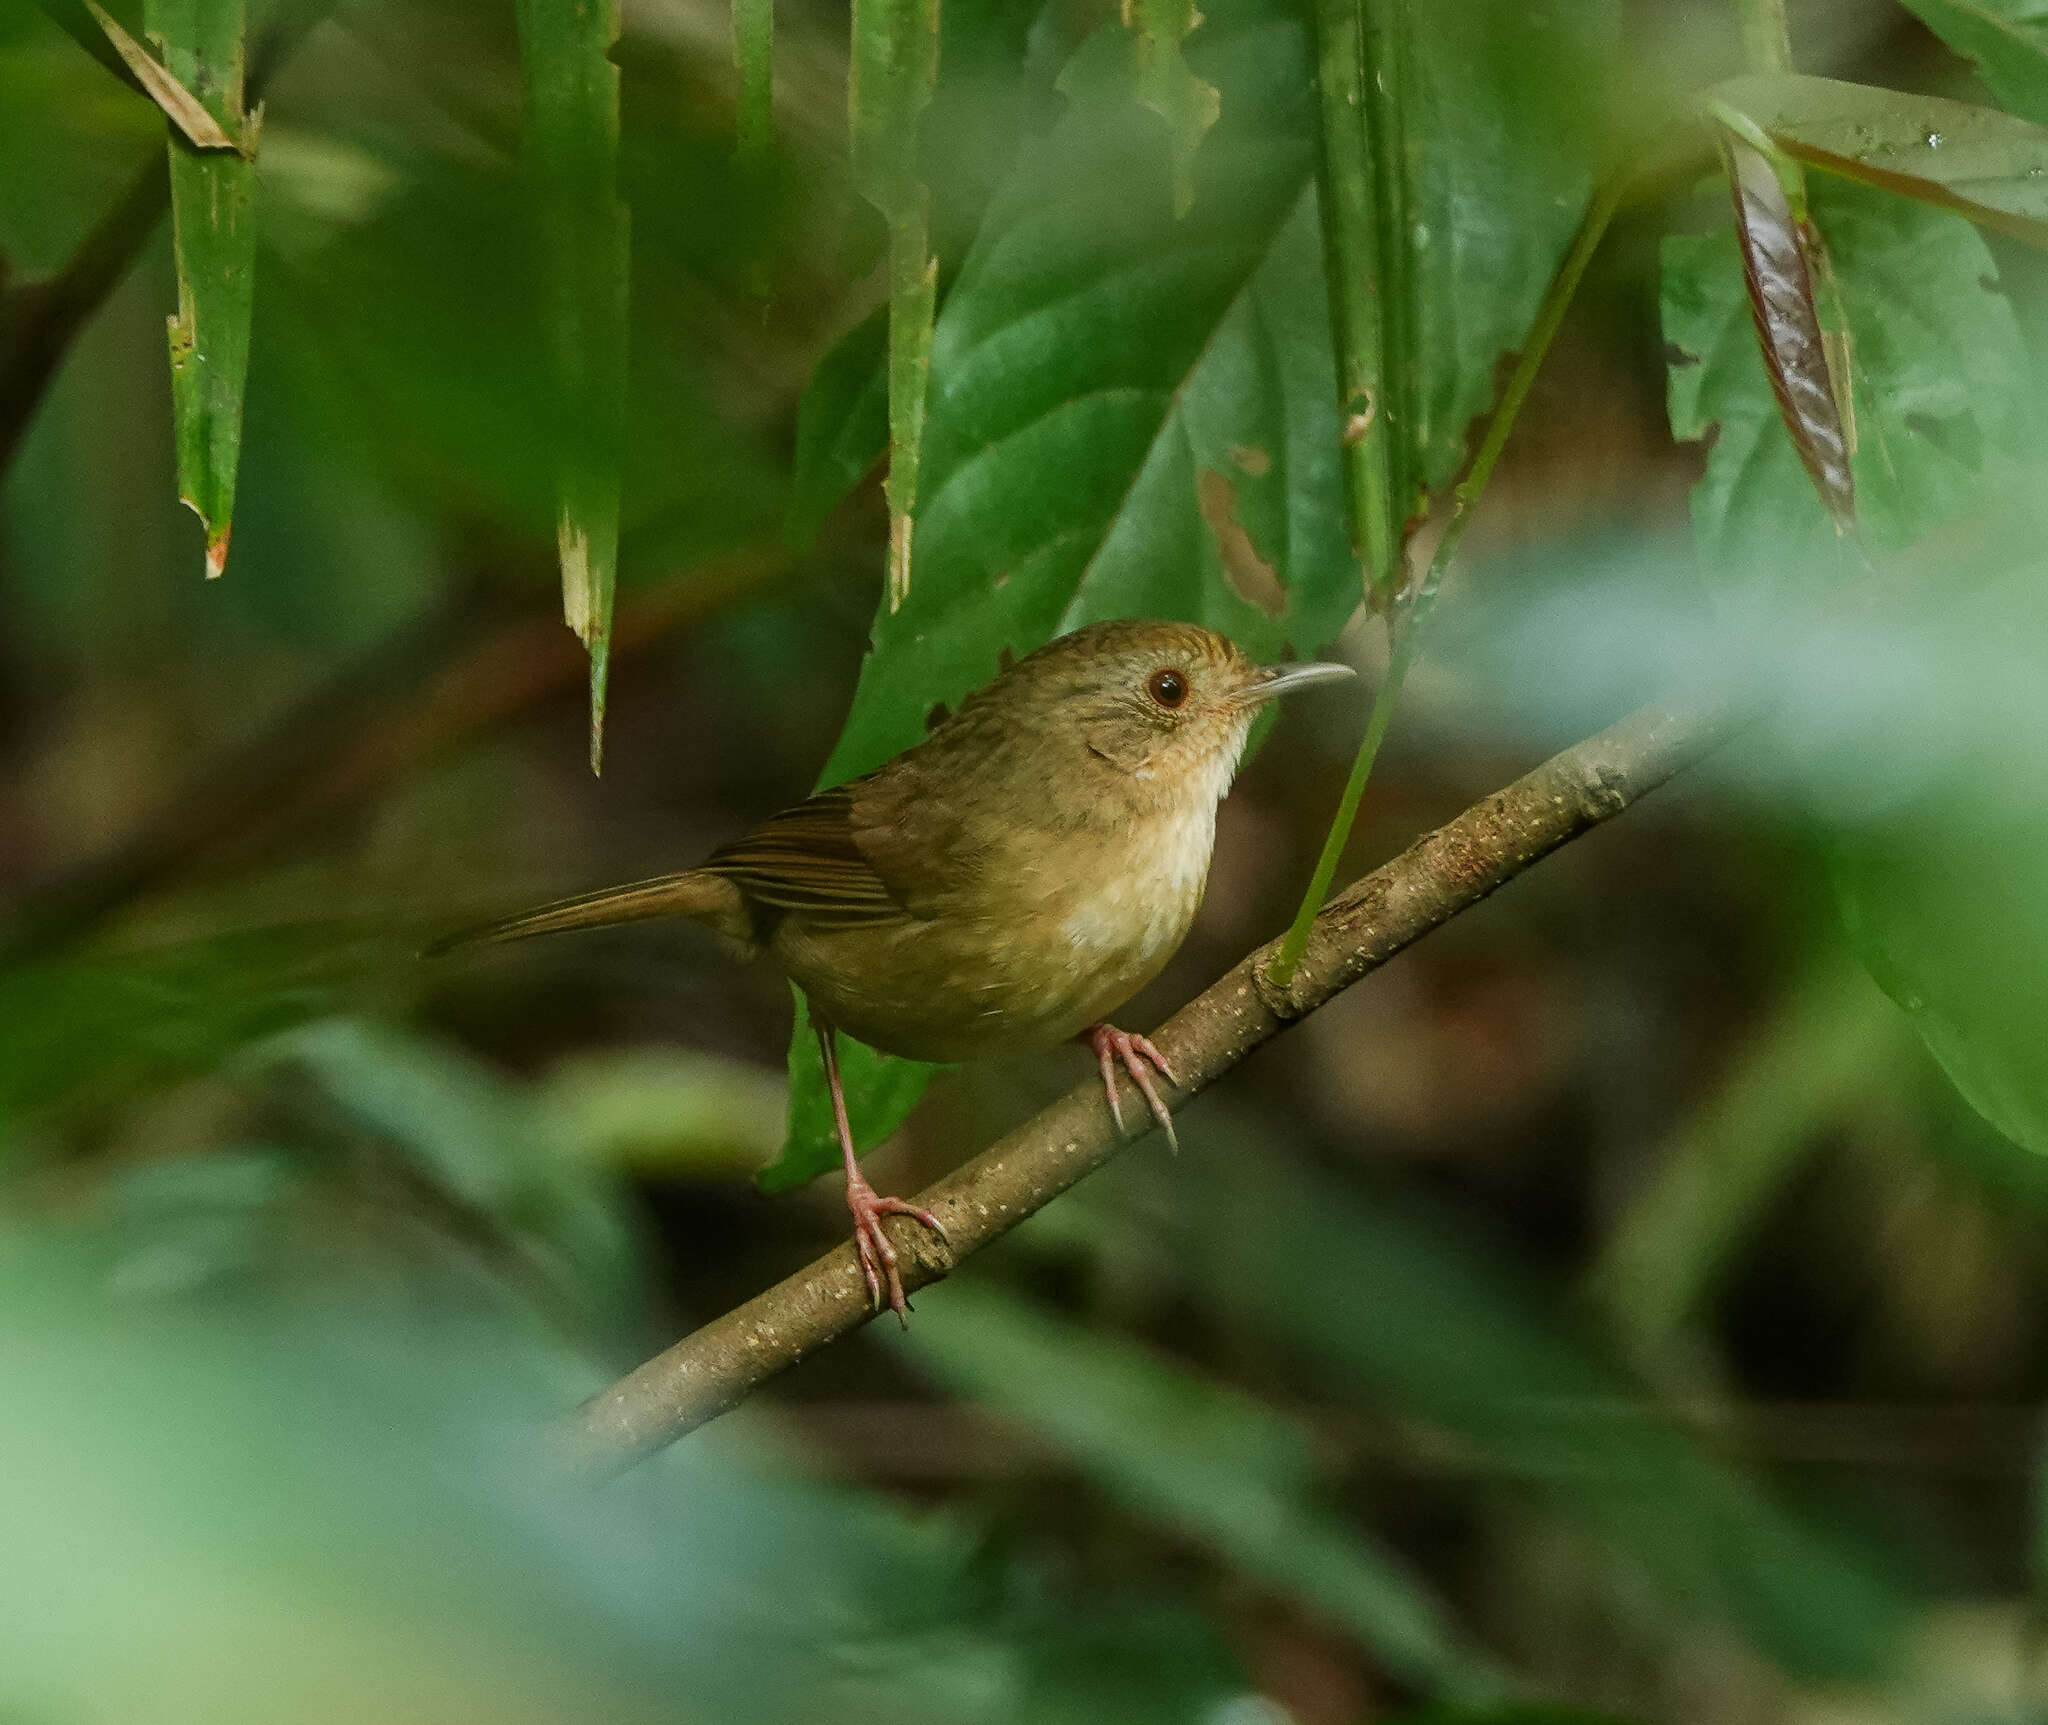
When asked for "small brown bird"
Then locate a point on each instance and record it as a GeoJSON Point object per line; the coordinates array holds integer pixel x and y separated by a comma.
{"type": "Point", "coordinates": [1016, 876]}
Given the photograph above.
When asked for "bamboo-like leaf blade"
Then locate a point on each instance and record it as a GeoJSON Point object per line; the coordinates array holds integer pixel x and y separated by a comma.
{"type": "Point", "coordinates": [213, 224]}
{"type": "Point", "coordinates": [753, 56]}
{"type": "Point", "coordinates": [1779, 280]}
{"type": "Point", "coordinates": [913, 298]}
{"type": "Point", "coordinates": [895, 67]}
{"type": "Point", "coordinates": [572, 135]}
{"type": "Point", "coordinates": [1986, 165]}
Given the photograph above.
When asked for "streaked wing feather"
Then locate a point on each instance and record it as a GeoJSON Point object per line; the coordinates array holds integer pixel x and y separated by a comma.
{"type": "Point", "coordinates": [809, 860]}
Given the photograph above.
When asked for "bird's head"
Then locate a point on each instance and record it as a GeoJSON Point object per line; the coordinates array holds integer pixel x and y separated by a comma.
{"type": "Point", "coordinates": [1169, 704]}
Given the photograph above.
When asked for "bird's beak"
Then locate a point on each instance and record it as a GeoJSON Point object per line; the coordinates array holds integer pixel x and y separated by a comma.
{"type": "Point", "coordinates": [1271, 680]}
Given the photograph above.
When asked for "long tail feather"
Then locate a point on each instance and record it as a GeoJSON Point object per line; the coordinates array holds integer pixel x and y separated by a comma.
{"type": "Point", "coordinates": [693, 893]}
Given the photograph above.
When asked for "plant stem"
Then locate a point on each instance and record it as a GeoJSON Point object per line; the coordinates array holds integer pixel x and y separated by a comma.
{"type": "Point", "coordinates": [1412, 613]}
{"type": "Point", "coordinates": [1383, 75]}
{"type": "Point", "coordinates": [1345, 198]}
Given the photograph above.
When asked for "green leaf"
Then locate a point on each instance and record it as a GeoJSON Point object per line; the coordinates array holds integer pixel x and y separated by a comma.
{"type": "Point", "coordinates": [1987, 165]}
{"type": "Point", "coordinates": [474, 1136]}
{"type": "Point", "coordinates": [1203, 1458]}
{"type": "Point", "coordinates": [1940, 889]}
{"type": "Point", "coordinates": [1168, 86]}
{"type": "Point", "coordinates": [842, 426]}
{"type": "Point", "coordinates": [880, 1092]}
{"type": "Point", "coordinates": [572, 132]}
{"type": "Point", "coordinates": [895, 66]}
{"type": "Point", "coordinates": [1948, 915]}
{"type": "Point", "coordinates": [92, 1029]}
{"type": "Point", "coordinates": [213, 227]}
{"type": "Point", "coordinates": [2007, 38]}
{"type": "Point", "coordinates": [1938, 870]}
{"type": "Point", "coordinates": [1137, 415]}
{"type": "Point", "coordinates": [1937, 371]}
{"type": "Point", "coordinates": [1508, 143]}
{"type": "Point", "coordinates": [753, 54]}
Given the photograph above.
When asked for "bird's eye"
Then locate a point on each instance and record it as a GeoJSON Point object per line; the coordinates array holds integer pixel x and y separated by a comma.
{"type": "Point", "coordinates": [1168, 688]}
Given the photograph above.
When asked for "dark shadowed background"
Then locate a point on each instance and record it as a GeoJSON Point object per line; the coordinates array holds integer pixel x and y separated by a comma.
{"type": "Point", "coordinates": [1612, 1308]}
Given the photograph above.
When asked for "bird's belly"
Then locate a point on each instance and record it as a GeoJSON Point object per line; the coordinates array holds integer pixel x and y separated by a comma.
{"type": "Point", "coordinates": [1019, 968]}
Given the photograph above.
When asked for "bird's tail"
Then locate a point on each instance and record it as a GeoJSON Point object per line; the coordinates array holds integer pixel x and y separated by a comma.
{"type": "Point", "coordinates": [694, 893]}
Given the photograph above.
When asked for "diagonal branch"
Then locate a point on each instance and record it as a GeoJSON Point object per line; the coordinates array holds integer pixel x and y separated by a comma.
{"type": "Point", "coordinates": [1440, 875]}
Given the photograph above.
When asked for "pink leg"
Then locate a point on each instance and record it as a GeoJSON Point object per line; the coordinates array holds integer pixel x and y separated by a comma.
{"type": "Point", "coordinates": [1140, 1059]}
{"type": "Point", "coordinates": [878, 1259]}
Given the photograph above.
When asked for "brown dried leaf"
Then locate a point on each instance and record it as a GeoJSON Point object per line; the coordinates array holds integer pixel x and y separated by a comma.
{"type": "Point", "coordinates": [1251, 576]}
{"type": "Point", "coordinates": [180, 106]}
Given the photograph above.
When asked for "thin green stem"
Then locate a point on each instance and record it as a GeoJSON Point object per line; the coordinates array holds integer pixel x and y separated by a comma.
{"type": "Point", "coordinates": [1412, 613]}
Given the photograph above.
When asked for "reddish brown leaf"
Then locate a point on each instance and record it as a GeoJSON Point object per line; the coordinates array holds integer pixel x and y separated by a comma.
{"type": "Point", "coordinates": [1777, 270]}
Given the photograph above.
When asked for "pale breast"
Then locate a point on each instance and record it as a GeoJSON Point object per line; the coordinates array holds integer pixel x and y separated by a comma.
{"type": "Point", "coordinates": [1130, 921]}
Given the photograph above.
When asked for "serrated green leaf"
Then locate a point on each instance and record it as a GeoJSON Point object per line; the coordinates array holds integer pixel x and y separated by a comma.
{"type": "Point", "coordinates": [1936, 360]}
{"type": "Point", "coordinates": [213, 227]}
{"type": "Point", "coordinates": [2008, 39]}
{"type": "Point", "coordinates": [1203, 1458]}
{"type": "Point", "coordinates": [572, 135]}
{"type": "Point", "coordinates": [1990, 166]}
{"type": "Point", "coordinates": [1136, 415]}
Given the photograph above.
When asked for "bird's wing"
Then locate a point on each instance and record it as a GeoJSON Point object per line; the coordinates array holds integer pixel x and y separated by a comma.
{"type": "Point", "coordinates": [839, 859]}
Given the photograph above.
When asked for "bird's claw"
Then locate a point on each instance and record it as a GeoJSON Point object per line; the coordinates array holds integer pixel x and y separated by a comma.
{"type": "Point", "coordinates": [879, 1260]}
{"type": "Point", "coordinates": [1140, 1059]}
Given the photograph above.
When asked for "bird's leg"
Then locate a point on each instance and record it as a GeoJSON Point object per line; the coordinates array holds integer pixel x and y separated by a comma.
{"type": "Point", "coordinates": [1140, 1059]}
{"type": "Point", "coordinates": [878, 1261]}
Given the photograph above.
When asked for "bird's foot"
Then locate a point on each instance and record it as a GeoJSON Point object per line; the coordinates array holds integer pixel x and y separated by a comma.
{"type": "Point", "coordinates": [878, 1257]}
{"type": "Point", "coordinates": [1140, 1059]}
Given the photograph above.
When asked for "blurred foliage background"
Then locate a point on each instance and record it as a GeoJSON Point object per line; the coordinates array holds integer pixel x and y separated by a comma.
{"type": "Point", "coordinates": [1629, 1304]}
